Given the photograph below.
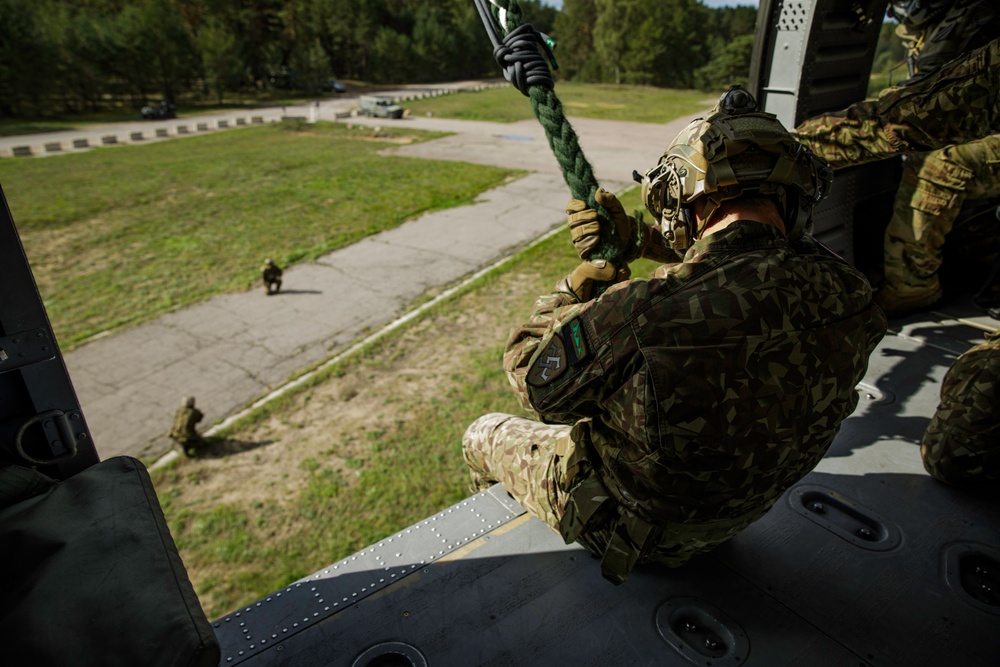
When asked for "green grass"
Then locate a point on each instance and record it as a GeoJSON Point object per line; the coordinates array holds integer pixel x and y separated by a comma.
{"type": "Point", "coordinates": [412, 469]}
{"type": "Point", "coordinates": [416, 471]}
{"type": "Point", "coordinates": [641, 104]}
{"type": "Point", "coordinates": [118, 236]}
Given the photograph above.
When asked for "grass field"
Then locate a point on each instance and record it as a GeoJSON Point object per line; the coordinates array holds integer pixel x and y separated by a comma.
{"type": "Point", "coordinates": [118, 236]}
{"type": "Point", "coordinates": [364, 449]}
{"type": "Point", "coordinates": [185, 108]}
{"type": "Point", "coordinates": [641, 104]}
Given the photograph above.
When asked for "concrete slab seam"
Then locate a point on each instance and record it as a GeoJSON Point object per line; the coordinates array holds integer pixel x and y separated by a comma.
{"type": "Point", "coordinates": [395, 324]}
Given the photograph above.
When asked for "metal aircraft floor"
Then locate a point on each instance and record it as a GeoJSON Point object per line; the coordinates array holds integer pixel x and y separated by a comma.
{"type": "Point", "coordinates": [867, 561]}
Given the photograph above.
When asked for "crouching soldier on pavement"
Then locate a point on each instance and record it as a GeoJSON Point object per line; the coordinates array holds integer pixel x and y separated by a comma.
{"type": "Point", "coordinates": [674, 411]}
{"type": "Point", "coordinates": [271, 273]}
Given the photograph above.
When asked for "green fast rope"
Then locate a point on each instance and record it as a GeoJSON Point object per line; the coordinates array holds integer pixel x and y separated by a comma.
{"type": "Point", "coordinates": [577, 172]}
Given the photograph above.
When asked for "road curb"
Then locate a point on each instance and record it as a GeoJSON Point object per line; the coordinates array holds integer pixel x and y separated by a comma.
{"type": "Point", "coordinates": [291, 385]}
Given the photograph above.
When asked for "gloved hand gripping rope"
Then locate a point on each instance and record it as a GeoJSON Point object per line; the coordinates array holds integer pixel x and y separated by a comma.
{"type": "Point", "coordinates": [524, 55]}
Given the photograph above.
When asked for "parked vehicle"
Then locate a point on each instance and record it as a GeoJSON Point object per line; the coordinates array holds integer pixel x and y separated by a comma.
{"type": "Point", "coordinates": [160, 111]}
{"type": "Point", "coordinates": [334, 86]}
{"type": "Point", "coordinates": [380, 107]}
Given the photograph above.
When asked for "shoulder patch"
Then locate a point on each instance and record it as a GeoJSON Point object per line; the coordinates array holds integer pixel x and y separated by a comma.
{"type": "Point", "coordinates": [549, 365]}
{"type": "Point", "coordinates": [566, 348]}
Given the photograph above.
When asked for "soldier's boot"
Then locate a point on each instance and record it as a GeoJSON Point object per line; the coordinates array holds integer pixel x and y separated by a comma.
{"type": "Point", "coordinates": [911, 279]}
{"type": "Point", "coordinates": [897, 300]}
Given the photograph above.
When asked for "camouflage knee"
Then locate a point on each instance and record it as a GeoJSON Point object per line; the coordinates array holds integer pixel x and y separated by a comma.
{"type": "Point", "coordinates": [520, 454]}
{"type": "Point", "coordinates": [928, 201]}
{"type": "Point", "coordinates": [962, 442]}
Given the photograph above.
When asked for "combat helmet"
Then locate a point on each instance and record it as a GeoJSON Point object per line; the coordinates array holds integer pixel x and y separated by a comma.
{"type": "Point", "coordinates": [734, 151]}
{"type": "Point", "coordinates": [916, 13]}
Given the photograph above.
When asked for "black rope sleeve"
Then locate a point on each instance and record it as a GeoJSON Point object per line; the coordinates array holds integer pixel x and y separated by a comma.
{"type": "Point", "coordinates": [522, 56]}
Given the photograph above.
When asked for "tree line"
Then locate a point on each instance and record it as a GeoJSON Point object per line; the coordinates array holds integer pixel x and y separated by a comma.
{"type": "Point", "coordinates": [667, 43]}
{"type": "Point", "coordinates": [59, 56]}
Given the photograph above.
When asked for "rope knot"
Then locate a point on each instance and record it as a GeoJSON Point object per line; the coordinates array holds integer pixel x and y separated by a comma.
{"type": "Point", "coordinates": [523, 58]}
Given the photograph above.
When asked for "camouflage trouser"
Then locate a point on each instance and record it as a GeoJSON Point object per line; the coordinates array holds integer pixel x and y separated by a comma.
{"type": "Point", "coordinates": [934, 187]}
{"type": "Point", "coordinates": [189, 444]}
{"type": "Point", "coordinates": [521, 455]}
{"type": "Point", "coordinates": [547, 468]}
{"type": "Point", "coordinates": [955, 104]}
{"type": "Point", "coordinates": [962, 442]}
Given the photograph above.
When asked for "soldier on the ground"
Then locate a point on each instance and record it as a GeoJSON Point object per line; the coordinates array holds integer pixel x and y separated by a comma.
{"type": "Point", "coordinates": [962, 443]}
{"type": "Point", "coordinates": [183, 431]}
{"type": "Point", "coordinates": [271, 273]}
{"type": "Point", "coordinates": [675, 411]}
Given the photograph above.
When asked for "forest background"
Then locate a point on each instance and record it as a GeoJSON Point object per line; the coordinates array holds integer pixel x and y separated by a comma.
{"type": "Point", "coordinates": [77, 56]}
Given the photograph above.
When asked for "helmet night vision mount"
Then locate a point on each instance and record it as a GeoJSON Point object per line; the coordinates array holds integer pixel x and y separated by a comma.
{"type": "Point", "coordinates": [916, 13]}
{"type": "Point", "coordinates": [735, 151]}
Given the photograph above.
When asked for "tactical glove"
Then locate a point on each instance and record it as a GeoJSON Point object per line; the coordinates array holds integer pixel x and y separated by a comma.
{"type": "Point", "coordinates": [634, 238]}
{"type": "Point", "coordinates": [584, 227]}
{"type": "Point", "coordinates": [581, 281]}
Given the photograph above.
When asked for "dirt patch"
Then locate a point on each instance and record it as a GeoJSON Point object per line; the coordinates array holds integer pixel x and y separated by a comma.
{"type": "Point", "coordinates": [298, 483]}
{"type": "Point", "coordinates": [337, 422]}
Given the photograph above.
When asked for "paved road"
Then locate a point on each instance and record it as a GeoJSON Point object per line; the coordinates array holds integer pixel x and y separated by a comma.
{"type": "Point", "coordinates": [237, 347]}
{"type": "Point", "coordinates": [142, 131]}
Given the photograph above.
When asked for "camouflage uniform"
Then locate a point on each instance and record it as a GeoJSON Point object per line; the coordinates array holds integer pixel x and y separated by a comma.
{"type": "Point", "coordinates": [678, 409]}
{"type": "Point", "coordinates": [935, 185]}
{"type": "Point", "coordinates": [962, 442]}
{"type": "Point", "coordinates": [183, 431]}
{"type": "Point", "coordinates": [957, 103]}
{"type": "Point", "coordinates": [930, 197]}
{"type": "Point", "coordinates": [270, 273]}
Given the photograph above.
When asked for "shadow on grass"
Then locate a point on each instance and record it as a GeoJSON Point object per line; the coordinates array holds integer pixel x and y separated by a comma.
{"type": "Point", "coordinates": [217, 448]}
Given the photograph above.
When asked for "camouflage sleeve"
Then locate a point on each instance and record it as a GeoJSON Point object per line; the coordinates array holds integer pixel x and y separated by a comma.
{"type": "Point", "coordinates": [955, 104]}
{"type": "Point", "coordinates": [528, 339]}
{"type": "Point", "coordinates": [570, 357]}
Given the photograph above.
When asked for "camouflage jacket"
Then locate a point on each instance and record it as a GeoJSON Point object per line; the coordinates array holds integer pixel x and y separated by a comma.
{"type": "Point", "coordinates": [185, 419]}
{"type": "Point", "coordinates": [708, 389]}
{"type": "Point", "coordinates": [270, 273]}
{"type": "Point", "coordinates": [955, 104]}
